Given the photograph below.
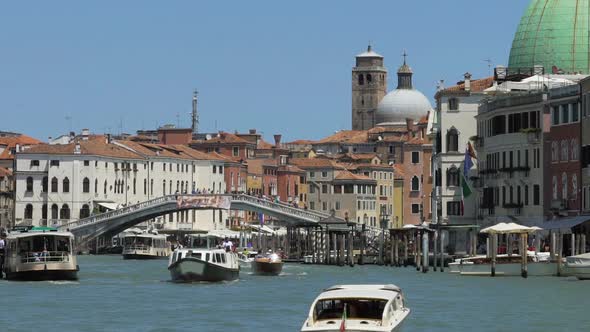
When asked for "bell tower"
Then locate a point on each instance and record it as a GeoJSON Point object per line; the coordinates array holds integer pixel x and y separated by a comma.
{"type": "Point", "coordinates": [369, 86]}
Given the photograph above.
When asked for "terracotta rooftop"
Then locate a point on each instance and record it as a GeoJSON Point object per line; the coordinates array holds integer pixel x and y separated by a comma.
{"type": "Point", "coordinates": [347, 175]}
{"type": "Point", "coordinates": [312, 163]}
{"type": "Point", "coordinates": [154, 150]}
{"type": "Point", "coordinates": [264, 145]}
{"type": "Point", "coordinates": [346, 136]}
{"type": "Point", "coordinates": [94, 147]}
{"type": "Point", "coordinates": [9, 143]}
{"type": "Point", "coordinates": [476, 85]}
{"type": "Point", "coordinates": [300, 142]}
{"type": "Point", "coordinates": [198, 155]}
{"type": "Point", "coordinates": [256, 166]}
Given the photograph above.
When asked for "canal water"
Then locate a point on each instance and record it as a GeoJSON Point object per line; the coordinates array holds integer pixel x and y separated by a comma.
{"type": "Point", "coordinates": [118, 295]}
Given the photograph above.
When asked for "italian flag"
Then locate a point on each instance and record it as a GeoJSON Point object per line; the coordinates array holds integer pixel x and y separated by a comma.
{"type": "Point", "coordinates": [343, 323]}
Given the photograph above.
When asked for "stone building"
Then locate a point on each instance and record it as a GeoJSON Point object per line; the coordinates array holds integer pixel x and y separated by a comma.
{"type": "Point", "coordinates": [369, 86]}
{"type": "Point", "coordinates": [6, 197]}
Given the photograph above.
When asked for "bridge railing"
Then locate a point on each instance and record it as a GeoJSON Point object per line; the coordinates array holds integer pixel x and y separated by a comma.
{"type": "Point", "coordinates": [119, 212]}
{"type": "Point", "coordinates": [282, 207]}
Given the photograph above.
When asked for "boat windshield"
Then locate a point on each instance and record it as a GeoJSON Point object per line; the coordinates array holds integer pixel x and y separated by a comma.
{"type": "Point", "coordinates": [132, 240]}
{"type": "Point", "coordinates": [355, 308]}
{"type": "Point", "coordinates": [44, 248]}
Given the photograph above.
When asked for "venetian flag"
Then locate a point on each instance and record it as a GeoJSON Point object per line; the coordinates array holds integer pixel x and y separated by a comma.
{"type": "Point", "coordinates": [467, 165]}
{"type": "Point", "coordinates": [343, 323]}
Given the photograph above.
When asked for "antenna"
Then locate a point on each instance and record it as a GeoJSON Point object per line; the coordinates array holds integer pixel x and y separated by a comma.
{"type": "Point", "coordinates": [489, 61]}
{"type": "Point", "coordinates": [195, 114]}
{"type": "Point", "coordinates": [69, 120]}
{"type": "Point", "coordinates": [177, 120]}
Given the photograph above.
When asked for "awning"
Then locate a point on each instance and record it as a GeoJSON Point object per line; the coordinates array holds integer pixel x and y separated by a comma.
{"type": "Point", "coordinates": [109, 205]}
{"type": "Point", "coordinates": [223, 233]}
{"type": "Point", "coordinates": [509, 228]}
{"type": "Point", "coordinates": [263, 229]}
{"type": "Point", "coordinates": [564, 223]}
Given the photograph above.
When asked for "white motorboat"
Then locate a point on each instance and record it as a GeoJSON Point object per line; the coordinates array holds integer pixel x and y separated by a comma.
{"type": "Point", "coordinates": [578, 266]}
{"type": "Point", "coordinates": [538, 264]}
{"type": "Point", "coordinates": [246, 257]}
{"type": "Point", "coordinates": [203, 265]}
{"type": "Point", "coordinates": [40, 253]}
{"type": "Point", "coordinates": [374, 308]}
{"type": "Point", "coordinates": [144, 245]}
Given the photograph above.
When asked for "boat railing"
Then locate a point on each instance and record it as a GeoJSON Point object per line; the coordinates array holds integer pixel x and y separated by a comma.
{"type": "Point", "coordinates": [137, 247]}
{"type": "Point", "coordinates": [45, 256]}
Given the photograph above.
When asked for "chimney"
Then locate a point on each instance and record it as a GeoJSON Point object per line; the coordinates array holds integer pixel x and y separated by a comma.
{"type": "Point", "coordinates": [410, 124]}
{"type": "Point", "coordinates": [501, 72]}
{"type": "Point", "coordinates": [17, 148]}
{"type": "Point", "coordinates": [252, 131]}
{"type": "Point", "coordinates": [109, 139]}
{"type": "Point", "coordinates": [85, 134]}
{"type": "Point", "coordinates": [467, 81]}
{"type": "Point", "coordinates": [277, 140]}
{"type": "Point", "coordinates": [77, 149]}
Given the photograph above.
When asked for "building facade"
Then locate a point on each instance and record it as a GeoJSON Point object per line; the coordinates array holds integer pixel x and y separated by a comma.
{"type": "Point", "coordinates": [369, 86]}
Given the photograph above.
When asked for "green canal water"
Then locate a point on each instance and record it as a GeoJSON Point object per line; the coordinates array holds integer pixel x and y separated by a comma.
{"type": "Point", "coordinates": [118, 295]}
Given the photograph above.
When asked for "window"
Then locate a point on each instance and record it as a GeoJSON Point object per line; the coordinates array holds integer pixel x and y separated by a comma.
{"type": "Point", "coordinates": [337, 205]}
{"type": "Point", "coordinates": [526, 195]}
{"type": "Point", "coordinates": [452, 140]}
{"type": "Point", "coordinates": [44, 211]}
{"type": "Point", "coordinates": [554, 186]}
{"type": "Point", "coordinates": [369, 78]}
{"type": "Point", "coordinates": [361, 79]}
{"type": "Point", "coordinates": [311, 174]}
{"type": "Point", "coordinates": [574, 186]}
{"type": "Point", "coordinates": [220, 169]}
{"type": "Point", "coordinates": [564, 150]}
{"type": "Point", "coordinates": [415, 208]}
{"type": "Point", "coordinates": [54, 184]}
{"type": "Point", "coordinates": [415, 183]}
{"type": "Point", "coordinates": [44, 184]}
{"type": "Point", "coordinates": [565, 113]}
{"type": "Point", "coordinates": [214, 169]}
{"type": "Point", "coordinates": [34, 163]}
{"type": "Point", "coordinates": [64, 213]}
{"type": "Point", "coordinates": [554, 151]}
{"type": "Point", "coordinates": [453, 104]}
{"type": "Point", "coordinates": [536, 195]}
{"type": "Point", "coordinates": [454, 208]}
{"type": "Point", "coordinates": [324, 206]}
{"type": "Point", "coordinates": [312, 205]}
{"type": "Point", "coordinates": [54, 211]}
{"type": "Point", "coordinates": [86, 185]}
{"type": "Point", "coordinates": [236, 151]}
{"type": "Point", "coordinates": [324, 174]}
{"type": "Point", "coordinates": [324, 188]}
{"type": "Point", "coordinates": [105, 187]}
{"type": "Point", "coordinates": [415, 157]}
{"type": "Point", "coordinates": [29, 184]}
{"type": "Point", "coordinates": [65, 185]}
{"type": "Point", "coordinates": [86, 162]}
{"type": "Point", "coordinates": [29, 211]}
{"type": "Point", "coordinates": [575, 112]}
{"type": "Point", "coordinates": [574, 144]}
{"type": "Point", "coordinates": [453, 177]}
{"type": "Point", "coordinates": [54, 163]}
{"type": "Point", "coordinates": [84, 211]}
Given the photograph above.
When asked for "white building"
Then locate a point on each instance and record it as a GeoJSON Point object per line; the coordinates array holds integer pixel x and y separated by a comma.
{"type": "Point", "coordinates": [59, 183]}
{"type": "Point", "coordinates": [454, 126]}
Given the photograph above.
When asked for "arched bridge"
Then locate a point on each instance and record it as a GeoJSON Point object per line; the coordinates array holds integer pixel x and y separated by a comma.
{"type": "Point", "coordinates": [116, 221]}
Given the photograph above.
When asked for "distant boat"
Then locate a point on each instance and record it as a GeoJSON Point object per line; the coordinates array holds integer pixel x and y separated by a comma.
{"type": "Point", "coordinates": [145, 245]}
{"type": "Point", "coordinates": [203, 265]}
{"type": "Point", "coordinates": [270, 264]}
{"type": "Point", "coordinates": [365, 308]}
{"type": "Point", "coordinates": [246, 258]}
{"type": "Point", "coordinates": [40, 253]}
{"type": "Point", "coordinates": [578, 266]}
{"type": "Point", "coordinates": [539, 264]}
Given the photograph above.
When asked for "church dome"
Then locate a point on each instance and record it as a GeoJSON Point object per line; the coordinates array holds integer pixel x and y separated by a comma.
{"type": "Point", "coordinates": [402, 103]}
{"type": "Point", "coordinates": [554, 34]}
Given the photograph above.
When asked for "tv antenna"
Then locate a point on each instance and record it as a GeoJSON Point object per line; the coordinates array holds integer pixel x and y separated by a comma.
{"type": "Point", "coordinates": [489, 62]}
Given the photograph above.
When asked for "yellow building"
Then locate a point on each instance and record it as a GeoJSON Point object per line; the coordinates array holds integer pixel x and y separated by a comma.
{"type": "Point", "coordinates": [398, 200]}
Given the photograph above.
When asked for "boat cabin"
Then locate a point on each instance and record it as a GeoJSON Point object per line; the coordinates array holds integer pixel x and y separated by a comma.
{"type": "Point", "coordinates": [40, 245]}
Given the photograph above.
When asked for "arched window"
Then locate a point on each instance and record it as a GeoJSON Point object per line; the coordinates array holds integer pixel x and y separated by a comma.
{"type": "Point", "coordinates": [170, 187]}
{"type": "Point", "coordinates": [574, 186]}
{"type": "Point", "coordinates": [554, 184]}
{"type": "Point", "coordinates": [369, 78]}
{"type": "Point", "coordinates": [564, 185]}
{"type": "Point", "coordinates": [135, 186]}
{"type": "Point", "coordinates": [44, 211]}
{"type": "Point", "coordinates": [84, 211]}
{"type": "Point", "coordinates": [96, 186]}
{"type": "Point", "coordinates": [66, 185]}
{"type": "Point", "coordinates": [54, 211]}
{"type": "Point", "coordinates": [145, 186]}
{"type": "Point", "coordinates": [554, 151]}
{"type": "Point", "coordinates": [54, 184]}
{"type": "Point", "coordinates": [415, 183]}
{"type": "Point", "coordinates": [30, 184]}
{"type": "Point", "coordinates": [44, 184]}
{"type": "Point", "coordinates": [564, 151]}
{"type": "Point", "coordinates": [105, 187]}
{"type": "Point", "coordinates": [86, 185]}
{"type": "Point", "coordinates": [361, 79]}
{"type": "Point", "coordinates": [574, 149]}
{"type": "Point", "coordinates": [452, 140]}
{"type": "Point", "coordinates": [164, 187]}
{"type": "Point", "coordinates": [64, 213]}
{"type": "Point", "coordinates": [453, 177]}
{"type": "Point", "coordinates": [151, 186]}
{"type": "Point", "coordinates": [29, 211]}
{"type": "Point", "coordinates": [177, 185]}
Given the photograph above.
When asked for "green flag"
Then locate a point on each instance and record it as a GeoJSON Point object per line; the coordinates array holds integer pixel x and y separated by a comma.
{"type": "Point", "coordinates": [465, 190]}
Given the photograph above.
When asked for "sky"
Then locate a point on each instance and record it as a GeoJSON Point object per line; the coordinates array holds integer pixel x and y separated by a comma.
{"type": "Point", "coordinates": [277, 66]}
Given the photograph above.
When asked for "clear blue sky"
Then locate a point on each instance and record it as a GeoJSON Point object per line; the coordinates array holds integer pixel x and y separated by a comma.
{"type": "Point", "coordinates": [278, 66]}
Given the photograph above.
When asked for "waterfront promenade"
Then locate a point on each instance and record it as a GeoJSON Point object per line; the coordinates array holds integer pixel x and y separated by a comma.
{"type": "Point", "coordinates": [113, 294]}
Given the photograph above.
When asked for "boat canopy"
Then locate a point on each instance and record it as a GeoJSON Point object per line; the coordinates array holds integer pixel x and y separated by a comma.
{"type": "Point", "coordinates": [223, 233]}
{"type": "Point", "coordinates": [509, 228]}
{"type": "Point", "coordinates": [382, 292]}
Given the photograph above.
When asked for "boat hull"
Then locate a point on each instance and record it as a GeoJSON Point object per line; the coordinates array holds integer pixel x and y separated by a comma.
{"type": "Point", "coordinates": [192, 270]}
{"type": "Point", "coordinates": [267, 268]}
{"type": "Point", "coordinates": [43, 275]}
{"type": "Point", "coordinates": [351, 327]}
{"type": "Point", "coordinates": [580, 272]}
{"type": "Point", "coordinates": [142, 256]}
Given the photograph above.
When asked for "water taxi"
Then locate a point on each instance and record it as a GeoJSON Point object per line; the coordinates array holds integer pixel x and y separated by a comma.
{"type": "Point", "coordinates": [374, 308]}
{"type": "Point", "coordinates": [40, 253]}
{"type": "Point", "coordinates": [145, 245]}
{"type": "Point", "coordinates": [246, 257]}
{"type": "Point", "coordinates": [211, 265]}
{"type": "Point", "coordinates": [578, 266]}
{"type": "Point", "coordinates": [270, 265]}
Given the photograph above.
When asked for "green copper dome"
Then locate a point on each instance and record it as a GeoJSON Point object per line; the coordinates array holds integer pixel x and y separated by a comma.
{"type": "Point", "coordinates": [553, 33]}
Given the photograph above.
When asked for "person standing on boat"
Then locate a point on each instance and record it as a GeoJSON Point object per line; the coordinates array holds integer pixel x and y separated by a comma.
{"type": "Point", "coordinates": [2, 249]}
{"type": "Point", "coordinates": [227, 245]}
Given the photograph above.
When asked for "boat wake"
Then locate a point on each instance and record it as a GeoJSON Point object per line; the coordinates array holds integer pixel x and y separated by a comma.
{"type": "Point", "coordinates": [63, 282]}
